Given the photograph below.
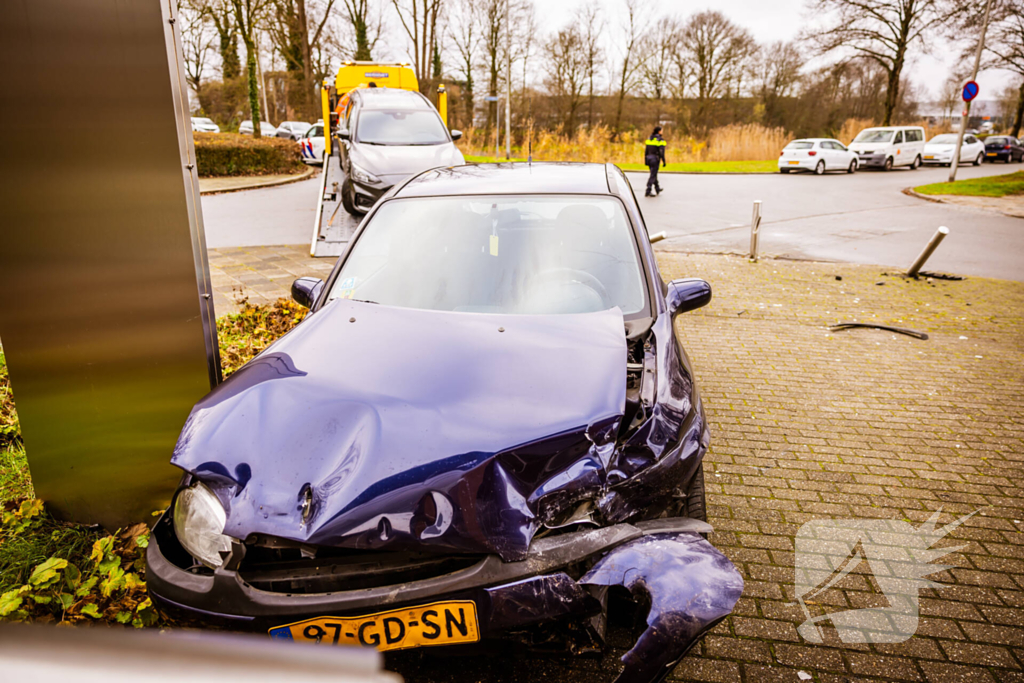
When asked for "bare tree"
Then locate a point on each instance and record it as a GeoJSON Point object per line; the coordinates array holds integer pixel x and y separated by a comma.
{"type": "Point", "coordinates": [419, 19]}
{"type": "Point", "coordinates": [196, 40]}
{"type": "Point", "coordinates": [366, 25]}
{"type": "Point", "coordinates": [882, 31]}
{"type": "Point", "coordinates": [776, 72]}
{"type": "Point", "coordinates": [222, 14]}
{"type": "Point", "coordinates": [659, 46]}
{"type": "Point", "coordinates": [248, 16]}
{"type": "Point", "coordinates": [567, 72]}
{"type": "Point", "coordinates": [717, 51]}
{"type": "Point", "coordinates": [591, 22]}
{"type": "Point", "coordinates": [464, 33]}
{"type": "Point", "coordinates": [630, 57]}
{"type": "Point", "coordinates": [296, 27]}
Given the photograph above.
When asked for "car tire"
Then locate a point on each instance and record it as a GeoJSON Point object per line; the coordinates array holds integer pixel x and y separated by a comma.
{"type": "Point", "coordinates": [348, 198]}
{"type": "Point", "coordinates": [978, 159]}
{"type": "Point", "coordinates": [696, 501]}
{"type": "Point", "coordinates": [888, 164]}
{"type": "Point", "coordinates": [853, 167]}
{"type": "Point", "coordinates": [820, 168]}
{"type": "Point", "coordinates": [917, 163]}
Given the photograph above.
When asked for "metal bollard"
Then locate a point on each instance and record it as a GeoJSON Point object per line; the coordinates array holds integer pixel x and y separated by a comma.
{"type": "Point", "coordinates": [658, 236]}
{"type": "Point", "coordinates": [932, 245]}
{"type": "Point", "coordinates": [755, 230]}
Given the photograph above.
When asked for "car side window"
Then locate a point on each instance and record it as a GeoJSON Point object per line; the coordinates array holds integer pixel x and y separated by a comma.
{"type": "Point", "coordinates": [899, 138]}
{"type": "Point", "coordinates": [970, 139]}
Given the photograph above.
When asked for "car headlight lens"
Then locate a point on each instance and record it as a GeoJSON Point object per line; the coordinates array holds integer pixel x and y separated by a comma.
{"type": "Point", "coordinates": [364, 176]}
{"type": "Point", "coordinates": [199, 520]}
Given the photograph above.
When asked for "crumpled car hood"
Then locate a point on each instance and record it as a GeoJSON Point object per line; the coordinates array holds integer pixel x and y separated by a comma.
{"type": "Point", "coordinates": [409, 428]}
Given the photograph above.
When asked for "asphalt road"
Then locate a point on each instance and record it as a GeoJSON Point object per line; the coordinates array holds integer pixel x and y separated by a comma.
{"type": "Point", "coordinates": [859, 218]}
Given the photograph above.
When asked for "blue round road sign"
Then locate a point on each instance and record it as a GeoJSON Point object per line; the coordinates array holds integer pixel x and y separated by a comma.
{"type": "Point", "coordinates": [970, 91]}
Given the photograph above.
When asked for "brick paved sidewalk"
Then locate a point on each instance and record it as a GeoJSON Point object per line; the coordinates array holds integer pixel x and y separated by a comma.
{"type": "Point", "coordinates": [808, 424]}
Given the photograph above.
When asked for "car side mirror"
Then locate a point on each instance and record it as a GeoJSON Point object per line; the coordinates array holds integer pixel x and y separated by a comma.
{"type": "Point", "coordinates": [687, 295]}
{"type": "Point", "coordinates": [344, 135]}
{"type": "Point", "coordinates": [456, 134]}
{"type": "Point", "coordinates": [305, 290]}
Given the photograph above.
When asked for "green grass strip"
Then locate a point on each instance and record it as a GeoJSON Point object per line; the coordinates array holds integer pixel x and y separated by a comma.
{"type": "Point", "coordinates": [992, 186]}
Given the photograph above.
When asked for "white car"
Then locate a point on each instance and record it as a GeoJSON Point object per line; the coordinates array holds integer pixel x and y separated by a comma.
{"type": "Point", "coordinates": [817, 155]}
{"type": "Point", "coordinates": [940, 149]}
{"type": "Point", "coordinates": [292, 130]}
{"type": "Point", "coordinates": [204, 125]}
{"type": "Point", "coordinates": [312, 144]}
{"type": "Point", "coordinates": [889, 147]}
{"type": "Point", "coordinates": [268, 130]}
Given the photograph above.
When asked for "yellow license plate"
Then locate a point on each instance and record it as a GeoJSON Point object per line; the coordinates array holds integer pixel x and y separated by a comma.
{"type": "Point", "coordinates": [928, 156]}
{"type": "Point", "coordinates": [993, 154]}
{"type": "Point", "coordinates": [794, 163]}
{"type": "Point", "coordinates": [440, 623]}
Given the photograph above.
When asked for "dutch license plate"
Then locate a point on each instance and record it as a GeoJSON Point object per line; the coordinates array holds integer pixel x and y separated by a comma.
{"type": "Point", "coordinates": [928, 156]}
{"type": "Point", "coordinates": [440, 623]}
{"type": "Point", "coordinates": [794, 163]}
{"type": "Point", "coordinates": [993, 154]}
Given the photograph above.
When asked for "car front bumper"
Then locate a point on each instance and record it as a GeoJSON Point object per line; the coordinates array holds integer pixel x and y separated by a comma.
{"type": "Point", "coordinates": [366, 195]}
{"type": "Point", "coordinates": [691, 586]}
{"type": "Point", "coordinates": [871, 159]}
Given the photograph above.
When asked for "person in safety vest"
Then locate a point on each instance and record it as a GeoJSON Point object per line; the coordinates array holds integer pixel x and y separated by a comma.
{"type": "Point", "coordinates": [654, 153]}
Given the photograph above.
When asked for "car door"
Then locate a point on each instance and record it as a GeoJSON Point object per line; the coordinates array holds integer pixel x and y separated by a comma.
{"type": "Point", "coordinates": [969, 150]}
{"type": "Point", "coordinates": [897, 155]}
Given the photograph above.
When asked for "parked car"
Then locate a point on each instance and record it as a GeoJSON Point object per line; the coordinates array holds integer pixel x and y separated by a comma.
{"type": "Point", "coordinates": [204, 125]}
{"type": "Point", "coordinates": [889, 147]}
{"type": "Point", "coordinates": [267, 129]}
{"type": "Point", "coordinates": [386, 136]}
{"type": "Point", "coordinates": [818, 155]}
{"type": "Point", "coordinates": [1003, 148]}
{"type": "Point", "coordinates": [292, 130]}
{"type": "Point", "coordinates": [513, 428]}
{"type": "Point", "coordinates": [940, 150]}
{"type": "Point", "coordinates": [312, 144]}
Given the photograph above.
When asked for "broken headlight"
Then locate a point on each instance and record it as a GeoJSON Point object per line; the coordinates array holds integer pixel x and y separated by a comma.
{"type": "Point", "coordinates": [199, 520]}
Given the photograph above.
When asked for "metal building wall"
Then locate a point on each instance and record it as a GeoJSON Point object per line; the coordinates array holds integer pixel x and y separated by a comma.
{"type": "Point", "coordinates": [108, 335]}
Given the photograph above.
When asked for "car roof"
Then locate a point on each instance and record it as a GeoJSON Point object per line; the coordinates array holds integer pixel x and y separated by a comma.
{"type": "Point", "coordinates": [391, 97]}
{"type": "Point", "coordinates": [509, 178]}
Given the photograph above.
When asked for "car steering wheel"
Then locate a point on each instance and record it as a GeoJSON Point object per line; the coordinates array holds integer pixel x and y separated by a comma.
{"type": "Point", "coordinates": [579, 276]}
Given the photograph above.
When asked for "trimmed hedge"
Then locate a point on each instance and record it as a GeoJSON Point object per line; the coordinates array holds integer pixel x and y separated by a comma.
{"type": "Point", "coordinates": [230, 154]}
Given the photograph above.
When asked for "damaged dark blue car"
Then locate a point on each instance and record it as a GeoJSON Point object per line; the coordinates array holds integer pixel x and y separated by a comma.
{"type": "Point", "coordinates": [484, 425]}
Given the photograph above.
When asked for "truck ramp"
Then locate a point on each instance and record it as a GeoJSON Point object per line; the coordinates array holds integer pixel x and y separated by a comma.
{"type": "Point", "coordinates": [333, 227]}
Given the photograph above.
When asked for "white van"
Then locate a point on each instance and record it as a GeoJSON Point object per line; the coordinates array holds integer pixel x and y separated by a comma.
{"type": "Point", "coordinates": [890, 146]}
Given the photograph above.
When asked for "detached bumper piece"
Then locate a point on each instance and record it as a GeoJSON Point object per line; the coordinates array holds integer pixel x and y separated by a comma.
{"type": "Point", "coordinates": [689, 585]}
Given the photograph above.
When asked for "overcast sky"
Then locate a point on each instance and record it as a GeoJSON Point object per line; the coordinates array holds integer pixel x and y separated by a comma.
{"type": "Point", "coordinates": [771, 20]}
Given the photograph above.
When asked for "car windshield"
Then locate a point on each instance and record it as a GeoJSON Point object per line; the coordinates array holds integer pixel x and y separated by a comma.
{"type": "Point", "coordinates": [206, 121]}
{"type": "Point", "coordinates": [315, 132]}
{"type": "Point", "coordinates": [996, 141]}
{"type": "Point", "coordinates": [874, 136]}
{"type": "Point", "coordinates": [947, 139]}
{"type": "Point", "coordinates": [529, 254]}
{"type": "Point", "coordinates": [800, 144]}
{"type": "Point", "coordinates": [400, 127]}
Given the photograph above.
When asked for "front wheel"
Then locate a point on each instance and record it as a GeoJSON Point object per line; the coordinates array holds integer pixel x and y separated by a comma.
{"type": "Point", "coordinates": [696, 501]}
{"type": "Point", "coordinates": [888, 164]}
{"type": "Point", "coordinates": [853, 167]}
{"type": "Point", "coordinates": [820, 168]}
{"type": "Point", "coordinates": [916, 165]}
{"type": "Point", "coordinates": [979, 159]}
{"type": "Point", "coordinates": [348, 198]}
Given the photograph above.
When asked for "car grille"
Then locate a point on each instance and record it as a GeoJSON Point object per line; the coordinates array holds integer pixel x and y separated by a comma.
{"type": "Point", "coordinates": [275, 572]}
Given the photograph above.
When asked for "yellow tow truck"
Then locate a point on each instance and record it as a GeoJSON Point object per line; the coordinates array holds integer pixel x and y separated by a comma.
{"type": "Point", "coordinates": [330, 231]}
